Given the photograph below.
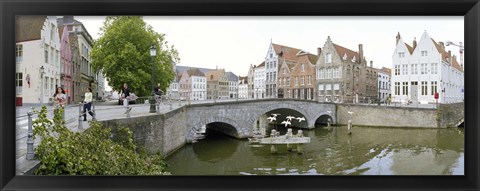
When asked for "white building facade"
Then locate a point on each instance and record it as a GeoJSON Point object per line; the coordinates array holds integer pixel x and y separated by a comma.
{"type": "Point", "coordinates": [419, 72]}
{"type": "Point", "coordinates": [199, 87]}
{"type": "Point", "coordinates": [243, 88]}
{"type": "Point", "coordinates": [259, 82]}
{"type": "Point", "coordinates": [383, 83]}
{"type": "Point", "coordinates": [271, 71]}
{"type": "Point", "coordinates": [36, 50]}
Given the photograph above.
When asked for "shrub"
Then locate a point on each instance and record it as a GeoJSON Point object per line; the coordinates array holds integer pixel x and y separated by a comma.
{"type": "Point", "coordinates": [63, 152]}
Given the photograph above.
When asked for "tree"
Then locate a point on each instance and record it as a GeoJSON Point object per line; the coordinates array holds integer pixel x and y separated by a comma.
{"type": "Point", "coordinates": [122, 53]}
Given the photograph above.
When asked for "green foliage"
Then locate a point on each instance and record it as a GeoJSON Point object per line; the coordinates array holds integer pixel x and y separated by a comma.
{"type": "Point", "coordinates": [123, 55]}
{"type": "Point", "coordinates": [63, 152]}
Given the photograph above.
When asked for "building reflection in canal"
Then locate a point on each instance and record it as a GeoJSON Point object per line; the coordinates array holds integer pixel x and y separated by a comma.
{"type": "Point", "coordinates": [367, 151]}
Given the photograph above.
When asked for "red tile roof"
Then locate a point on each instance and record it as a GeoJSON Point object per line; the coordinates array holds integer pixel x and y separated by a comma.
{"type": "Point", "coordinates": [446, 56]}
{"type": "Point", "coordinates": [350, 53]}
{"type": "Point", "coordinates": [286, 52]}
{"type": "Point", "coordinates": [28, 27]}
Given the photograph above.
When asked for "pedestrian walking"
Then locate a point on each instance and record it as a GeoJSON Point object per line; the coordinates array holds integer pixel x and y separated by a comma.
{"type": "Point", "coordinates": [126, 97]}
{"type": "Point", "coordinates": [59, 101]}
{"type": "Point", "coordinates": [87, 104]}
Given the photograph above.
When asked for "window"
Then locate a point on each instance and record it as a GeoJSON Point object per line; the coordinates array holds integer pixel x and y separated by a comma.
{"type": "Point", "coordinates": [271, 55]}
{"type": "Point", "coordinates": [51, 31]}
{"type": "Point", "coordinates": [322, 73]}
{"type": "Point", "coordinates": [405, 69]}
{"type": "Point", "coordinates": [303, 80]}
{"type": "Point", "coordinates": [434, 87]}
{"type": "Point", "coordinates": [309, 80]}
{"type": "Point", "coordinates": [397, 70]}
{"type": "Point", "coordinates": [19, 53]}
{"type": "Point", "coordinates": [284, 71]}
{"type": "Point", "coordinates": [434, 68]}
{"type": "Point", "coordinates": [424, 53]}
{"type": "Point", "coordinates": [52, 56]}
{"type": "Point", "coordinates": [397, 88]}
{"type": "Point", "coordinates": [415, 69]}
{"type": "Point", "coordinates": [303, 67]}
{"type": "Point", "coordinates": [275, 63]}
{"type": "Point", "coordinates": [57, 55]}
{"type": "Point", "coordinates": [46, 53]}
{"type": "Point", "coordinates": [328, 58]}
{"type": "Point", "coordinates": [405, 88]}
{"type": "Point", "coordinates": [19, 82]}
{"type": "Point", "coordinates": [296, 81]}
{"type": "Point", "coordinates": [401, 54]}
{"type": "Point", "coordinates": [320, 89]}
{"type": "Point", "coordinates": [424, 88]}
{"type": "Point", "coordinates": [329, 73]}
{"type": "Point", "coordinates": [423, 68]}
{"type": "Point", "coordinates": [379, 85]}
{"type": "Point", "coordinates": [274, 76]}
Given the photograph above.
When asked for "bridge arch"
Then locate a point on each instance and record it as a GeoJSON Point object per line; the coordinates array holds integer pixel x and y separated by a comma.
{"type": "Point", "coordinates": [323, 117]}
{"type": "Point", "coordinates": [195, 127]}
{"type": "Point", "coordinates": [288, 106]}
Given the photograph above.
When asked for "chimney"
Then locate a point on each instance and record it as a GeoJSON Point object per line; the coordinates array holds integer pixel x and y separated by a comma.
{"type": "Point", "coordinates": [398, 37]}
{"type": "Point", "coordinates": [319, 51]}
{"type": "Point", "coordinates": [443, 45]}
{"type": "Point", "coordinates": [414, 43]}
{"type": "Point", "coordinates": [360, 51]}
{"type": "Point", "coordinates": [450, 57]}
{"type": "Point", "coordinates": [371, 64]}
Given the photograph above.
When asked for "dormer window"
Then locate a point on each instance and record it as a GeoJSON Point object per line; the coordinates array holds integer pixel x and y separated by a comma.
{"type": "Point", "coordinates": [353, 59]}
{"type": "Point", "coordinates": [345, 56]}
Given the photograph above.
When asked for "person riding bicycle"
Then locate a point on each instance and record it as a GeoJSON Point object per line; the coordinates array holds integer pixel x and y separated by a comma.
{"type": "Point", "coordinates": [158, 91]}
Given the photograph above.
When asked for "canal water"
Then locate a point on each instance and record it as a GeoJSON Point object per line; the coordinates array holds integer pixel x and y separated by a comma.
{"type": "Point", "coordinates": [367, 151]}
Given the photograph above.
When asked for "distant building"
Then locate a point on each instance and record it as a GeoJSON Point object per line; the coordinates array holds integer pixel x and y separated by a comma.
{"type": "Point", "coordinates": [243, 88]}
{"type": "Point", "coordinates": [259, 81]}
{"type": "Point", "coordinates": [37, 45]}
{"type": "Point", "coordinates": [420, 71]}
{"type": "Point", "coordinates": [185, 84]}
{"type": "Point", "coordinates": [303, 76]}
{"type": "Point", "coordinates": [199, 84]}
{"type": "Point", "coordinates": [232, 84]}
{"type": "Point", "coordinates": [82, 71]}
{"type": "Point", "coordinates": [217, 84]}
{"type": "Point", "coordinates": [384, 83]}
{"type": "Point", "coordinates": [284, 78]}
{"type": "Point", "coordinates": [343, 74]}
{"type": "Point", "coordinates": [172, 90]}
{"type": "Point", "coordinates": [250, 80]}
{"type": "Point", "coordinates": [276, 54]}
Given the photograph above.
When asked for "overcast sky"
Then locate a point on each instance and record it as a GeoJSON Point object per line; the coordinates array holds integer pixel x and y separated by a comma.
{"type": "Point", "coordinates": [234, 43]}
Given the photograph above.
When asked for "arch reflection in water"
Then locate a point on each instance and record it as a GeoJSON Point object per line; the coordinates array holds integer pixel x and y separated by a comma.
{"type": "Point", "coordinates": [368, 151]}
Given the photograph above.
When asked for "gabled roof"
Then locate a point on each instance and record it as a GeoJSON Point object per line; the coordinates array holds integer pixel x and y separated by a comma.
{"type": "Point", "coordinates": [261, 65]}
{"type": "Point", "coordinates": [385, 70]}
{"type": "Point", "coordinates": [410, 48]}
{"type": "Point", "coordinates": [312, 58]}
{"type": "Point", "coordinates": [243, 79]}
{"type": "Point", "coordinates": [28, 27]}
{"type": "Point", "coordinates": [195, 72]}
{"type": "Point", "coordinates": [350, 53]}
{"type": "Point", "coordinates": [232, 77]}
{"type": "Point", "coordinates": [181, 69]}
{"type": "Point", "coordinates": [216, 74]}
{"type": "Point", "coordinates": [446, 56]}
{"type": "Point", "coordinates": [285, 52]}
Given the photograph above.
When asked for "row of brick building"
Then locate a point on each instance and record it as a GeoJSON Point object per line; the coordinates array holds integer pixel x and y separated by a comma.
{"type": "Point", "coordinates": [334, 73]}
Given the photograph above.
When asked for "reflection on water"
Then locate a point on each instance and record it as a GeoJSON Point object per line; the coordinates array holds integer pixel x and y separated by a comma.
{"type": "Point", "coordinates": [368, 151]}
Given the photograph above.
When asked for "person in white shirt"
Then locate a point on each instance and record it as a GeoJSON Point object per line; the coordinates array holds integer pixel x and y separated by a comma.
{"type": "Point", "coordinates": [87, 104]}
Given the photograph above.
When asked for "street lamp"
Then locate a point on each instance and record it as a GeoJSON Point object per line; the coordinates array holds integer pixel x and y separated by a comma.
{"type": "Point", "coordinates": [42, 72]}
{"type": "Point", "coordinates": [153, 53]}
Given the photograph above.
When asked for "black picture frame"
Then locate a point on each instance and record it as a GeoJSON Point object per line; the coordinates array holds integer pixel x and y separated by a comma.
{"type": "Point", "coordinates": [470, 9]}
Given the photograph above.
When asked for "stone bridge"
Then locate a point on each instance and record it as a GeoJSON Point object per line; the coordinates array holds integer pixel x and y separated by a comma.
{"type": "Point", "coordinates": [244, 116]}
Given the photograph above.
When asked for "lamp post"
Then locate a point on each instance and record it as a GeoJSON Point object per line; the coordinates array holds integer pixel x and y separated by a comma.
{"type": "Point", "coordinates": [42, 72]}
{"type": "Point", "coordinates": [153, 53]}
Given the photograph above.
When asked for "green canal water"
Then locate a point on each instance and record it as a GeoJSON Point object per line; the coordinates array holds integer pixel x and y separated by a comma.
{"type": "Point", "coordinates": [367, 151]}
